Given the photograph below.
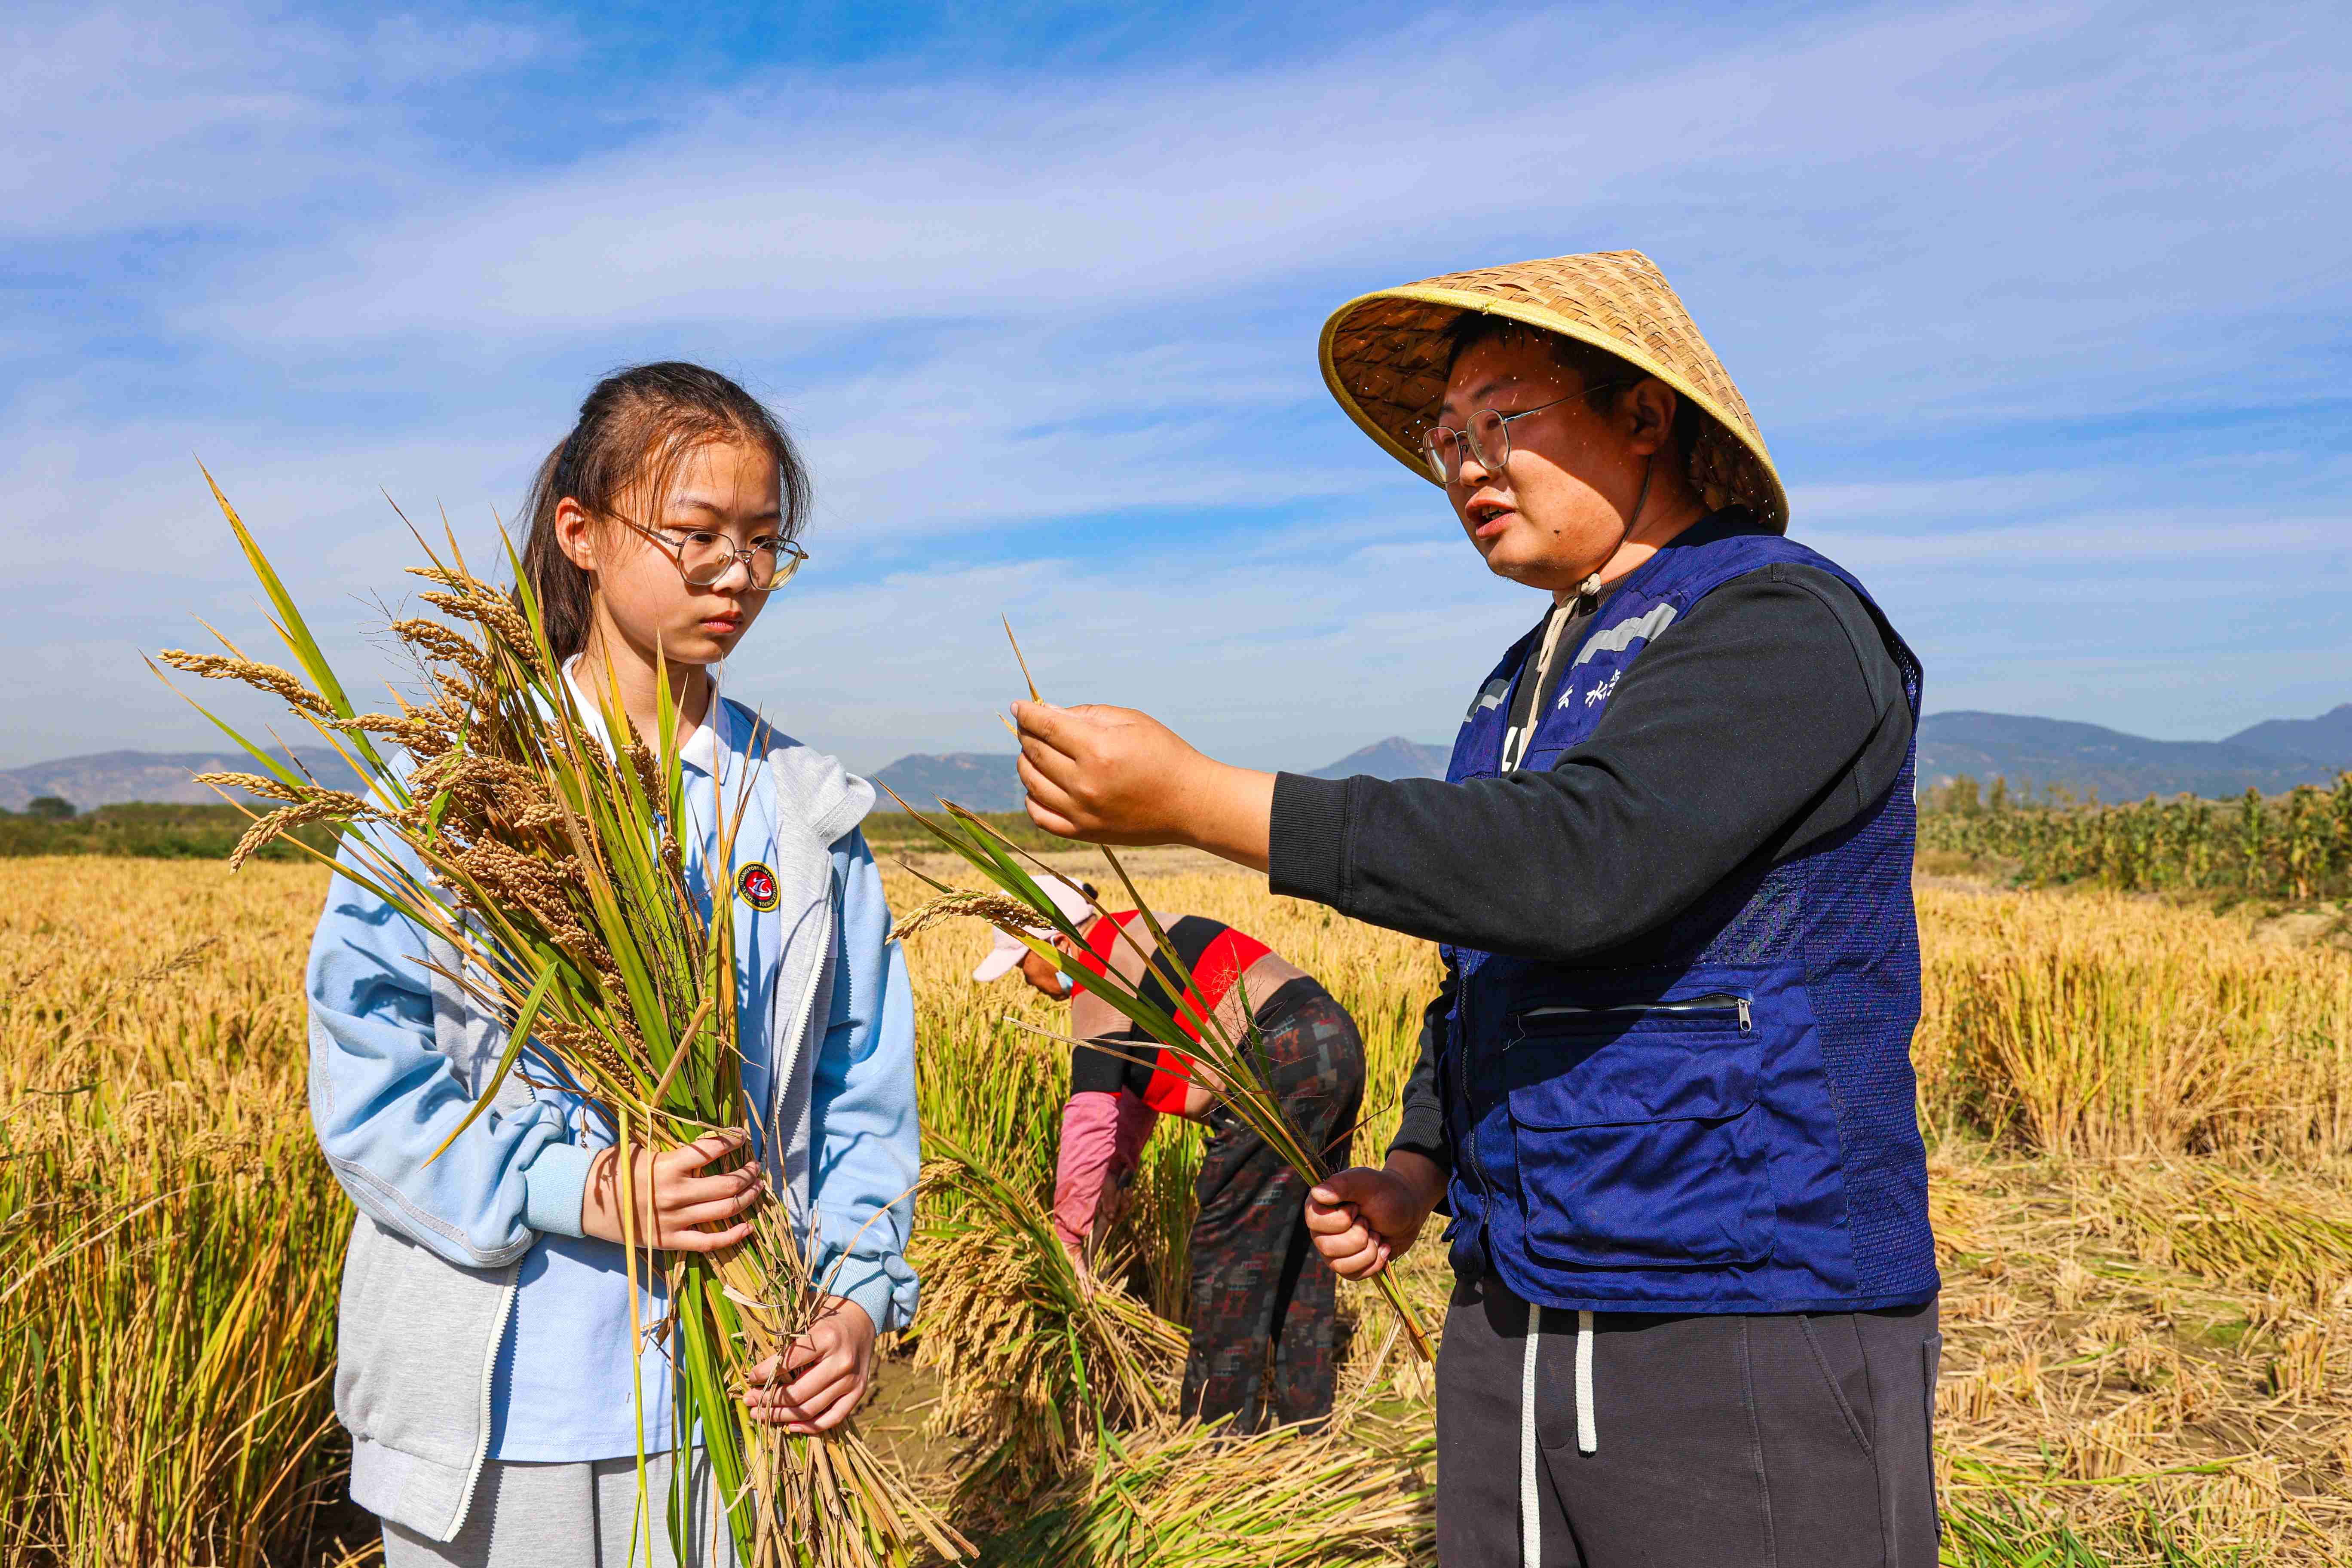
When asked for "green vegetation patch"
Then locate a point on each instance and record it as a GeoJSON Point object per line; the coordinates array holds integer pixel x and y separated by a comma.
{"type": "Point", "coordinates": [148, 831]}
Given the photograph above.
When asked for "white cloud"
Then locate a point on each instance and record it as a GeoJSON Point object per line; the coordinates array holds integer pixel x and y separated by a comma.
{"type": "Point", "coordinates": [1979, 205]}
{"type": "Point", "coordinates": [1000, 309]}
{"type": "Point", "coordinates": [123, 117]}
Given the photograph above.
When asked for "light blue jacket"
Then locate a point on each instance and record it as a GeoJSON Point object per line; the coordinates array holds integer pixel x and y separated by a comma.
{"type": "Point", "coordinates": [398, 1055]}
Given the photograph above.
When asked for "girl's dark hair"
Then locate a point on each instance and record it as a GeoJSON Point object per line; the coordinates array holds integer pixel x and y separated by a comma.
{"type": "Point", "coordinates": [636, 427]}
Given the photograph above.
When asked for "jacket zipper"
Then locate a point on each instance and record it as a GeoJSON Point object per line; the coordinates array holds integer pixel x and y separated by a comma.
{"type": "Point", "coordinates": [490, 1377]}
{"type": "Point", "coordinates": [1720, 1004]}
{"type": "Point", "coordinates": [779, 1085]}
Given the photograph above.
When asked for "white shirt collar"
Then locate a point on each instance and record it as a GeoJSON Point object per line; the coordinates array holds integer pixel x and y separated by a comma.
{"type": "Point", "coordinates": [698, 751]}
{"type": "Point", "coordinates": [701, 750]}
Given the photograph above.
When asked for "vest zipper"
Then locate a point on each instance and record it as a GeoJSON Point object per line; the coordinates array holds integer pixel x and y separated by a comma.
{"type": "Point", "coordinates": [1720, 1004]}
{"type": "Point", "coordinates": [1470, 1115]}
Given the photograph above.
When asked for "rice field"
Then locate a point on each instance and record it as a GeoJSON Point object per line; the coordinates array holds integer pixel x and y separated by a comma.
{"type": "Point", "coordinates": [2140, 1124]}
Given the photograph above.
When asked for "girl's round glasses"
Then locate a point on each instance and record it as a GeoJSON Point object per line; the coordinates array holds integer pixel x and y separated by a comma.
{"type": "Point", "coordinates": [1489, 436]}
{"type": "Point", "coordinates": [702, 557]}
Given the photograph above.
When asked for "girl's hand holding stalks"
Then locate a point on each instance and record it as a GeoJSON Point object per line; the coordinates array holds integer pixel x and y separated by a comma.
{"type": "Point", "coordinates": [830, 1367]}
{"type": "Point", "coordinates": [676, 1201]}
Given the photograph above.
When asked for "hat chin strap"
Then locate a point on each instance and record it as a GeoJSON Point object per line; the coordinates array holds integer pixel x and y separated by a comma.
{"type": "Point", "coordinates": [1590, 587]}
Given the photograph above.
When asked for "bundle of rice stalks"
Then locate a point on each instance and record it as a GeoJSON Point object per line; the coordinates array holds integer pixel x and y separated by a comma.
{"type": "Point", "coordinates": [1042, 1362]}
{"type": "Point", "coordinates": [553, 843]}
{"type": "Point", "coordinates": [1234, 1066]}
{"type": "Point", "coordinates": [992, 1088]}
{"type": "Point", "coordinates": [1359, 1493]}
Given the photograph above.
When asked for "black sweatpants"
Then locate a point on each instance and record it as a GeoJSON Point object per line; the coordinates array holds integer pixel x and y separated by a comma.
{"type": "Point", "coordinates": [1794, 1440]}
{"type": "Point", "coordinates": [1264, 1301]}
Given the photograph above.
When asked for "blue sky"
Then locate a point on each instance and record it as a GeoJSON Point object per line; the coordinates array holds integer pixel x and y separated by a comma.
{"type": "Point", "coordinates": [2046, 311]}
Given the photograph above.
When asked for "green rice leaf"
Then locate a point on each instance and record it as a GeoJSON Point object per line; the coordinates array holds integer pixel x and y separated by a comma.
{"type": "Point", "coordinates": [285, 775]}
{"type": "Point", "coordinates": [296, 631]}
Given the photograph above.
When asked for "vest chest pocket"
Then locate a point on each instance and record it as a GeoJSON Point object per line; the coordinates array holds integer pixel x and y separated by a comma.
{"type": "Point", "coordinates": [1636, 1135]}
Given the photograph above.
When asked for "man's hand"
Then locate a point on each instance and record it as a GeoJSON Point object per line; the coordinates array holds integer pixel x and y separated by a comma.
{"type": "Point", "coordinates": [1112, 776]}
{"type": "Point", "coordinates": [674, 1199]}
{"type": "Point", "coordinates": [830, 1366]}
{"type": "Point", "coordinates": [1363, 1219]}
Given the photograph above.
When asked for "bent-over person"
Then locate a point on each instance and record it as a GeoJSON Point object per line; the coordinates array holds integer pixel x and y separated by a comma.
{"type": "Point", "coordinates": [1262, 1299]}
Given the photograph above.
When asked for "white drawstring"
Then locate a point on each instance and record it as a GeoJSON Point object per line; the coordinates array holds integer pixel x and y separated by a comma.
{"type": "Point", "coordinates": [1587, 1426]}
{"type": "Point", "coordinates": [1530, 1515]}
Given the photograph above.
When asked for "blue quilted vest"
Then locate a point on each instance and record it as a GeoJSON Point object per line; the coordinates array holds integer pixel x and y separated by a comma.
{"type": "Point", "coordinates": [1718, 1116]}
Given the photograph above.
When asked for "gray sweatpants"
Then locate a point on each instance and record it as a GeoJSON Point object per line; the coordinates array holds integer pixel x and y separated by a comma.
{"type": "Point", "coordinates": [1771, 1441]}
{"type": "Point", "coordinates": [566, 1516]}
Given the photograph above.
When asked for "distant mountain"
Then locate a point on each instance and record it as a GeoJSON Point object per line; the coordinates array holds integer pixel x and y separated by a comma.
{"type": "Point", "coordinates": [985, 781]}
{"type": "Point", "coordinates": [2272, 756]}
{"type": "Point", "coordinates": [1394, 758]}
{"type": "Point", "coordinates": [2086, 757]}
{"type": "Point", "coordinates": [2327, 737]}
{"type": "Point", "coordinates": [108, 778]}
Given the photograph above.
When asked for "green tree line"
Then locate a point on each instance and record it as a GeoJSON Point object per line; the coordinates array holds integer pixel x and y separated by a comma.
{"type": "Point", "coordinates": [2295, 845]}
{"type": "Point", "coordinates": [48, 826]}
{"type": "Point", "coordinates": [154, 832]}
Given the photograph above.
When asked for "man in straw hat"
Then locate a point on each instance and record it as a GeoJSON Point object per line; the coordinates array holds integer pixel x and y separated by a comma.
{"type": "Point", "coordinates": [1666, 1093]}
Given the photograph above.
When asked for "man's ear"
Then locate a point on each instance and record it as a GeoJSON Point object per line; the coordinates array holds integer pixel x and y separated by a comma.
{"type": "Point", "coordinates": [1648, 415]}
{"type": "Point", "coordinates": [576, 533]}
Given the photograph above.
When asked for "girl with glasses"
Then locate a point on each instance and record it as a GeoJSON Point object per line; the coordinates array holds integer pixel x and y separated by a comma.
{"type": "Point", "coordinates": [490, 1368]}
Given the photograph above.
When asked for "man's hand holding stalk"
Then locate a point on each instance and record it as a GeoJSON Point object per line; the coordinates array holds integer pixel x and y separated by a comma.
{"type": "Point", "coordinates": [1363, 1218]}
{"type": "Point", "coordinates": [1112, 776]}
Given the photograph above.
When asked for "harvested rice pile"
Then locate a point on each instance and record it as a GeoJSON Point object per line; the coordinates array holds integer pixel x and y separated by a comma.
{"type": "Point", "coordinates": [1042, 1366]}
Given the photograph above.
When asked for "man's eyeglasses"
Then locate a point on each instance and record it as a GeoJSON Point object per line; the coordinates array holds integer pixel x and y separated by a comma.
{"type": "Point", "coordinates": [702, 557]}
{"type": "Point", "coordinates": [1489, 436]}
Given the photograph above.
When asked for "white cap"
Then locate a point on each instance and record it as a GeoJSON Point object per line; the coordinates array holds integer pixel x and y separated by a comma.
{"type": "Point", "coordinates": [1006, 953]}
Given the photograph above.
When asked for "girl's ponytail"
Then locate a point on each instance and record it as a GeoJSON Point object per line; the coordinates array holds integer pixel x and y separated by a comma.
{"type": "Point", "coordinates": [565, 593]}
{"type": "Point", "coordinates": [636, 425]}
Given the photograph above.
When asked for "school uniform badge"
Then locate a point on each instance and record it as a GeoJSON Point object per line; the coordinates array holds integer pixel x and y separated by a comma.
{"type": "Point", "coordinates": [756, 885]}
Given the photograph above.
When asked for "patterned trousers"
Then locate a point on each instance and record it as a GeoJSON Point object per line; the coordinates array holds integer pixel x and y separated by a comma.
{"type": "Point", "coordinates": [1262, 1297]}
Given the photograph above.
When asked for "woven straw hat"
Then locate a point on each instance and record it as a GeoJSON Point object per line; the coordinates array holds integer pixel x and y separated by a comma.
{"type": "Point", "coordinates": [1384, 358]}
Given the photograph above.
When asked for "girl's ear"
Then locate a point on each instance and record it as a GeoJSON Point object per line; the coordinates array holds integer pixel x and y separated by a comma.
{"type": "Point", "coordinates": [576, 533]}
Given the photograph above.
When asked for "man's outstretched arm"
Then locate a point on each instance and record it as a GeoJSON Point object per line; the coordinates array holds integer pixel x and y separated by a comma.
{"type": "Point", "coordinates": [1770, 715]}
